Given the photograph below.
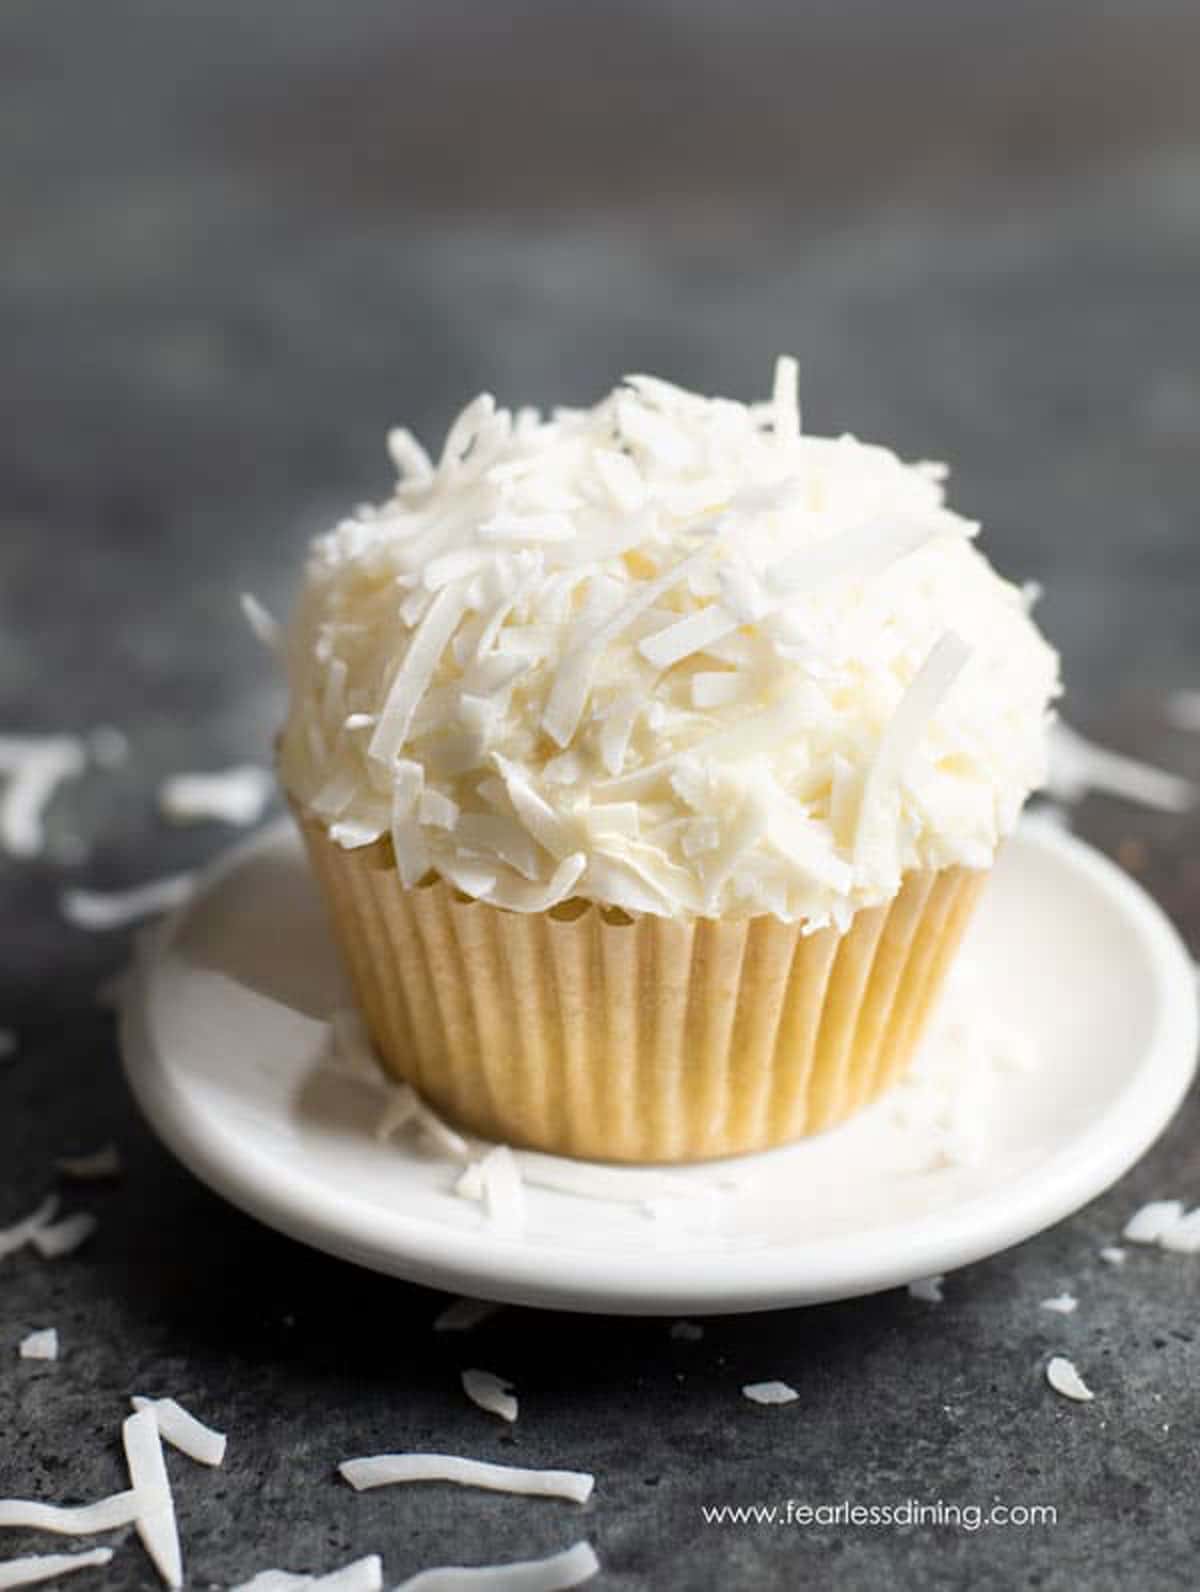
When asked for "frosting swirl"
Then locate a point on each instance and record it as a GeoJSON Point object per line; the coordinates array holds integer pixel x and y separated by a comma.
{"type": "Point", "coordinates": [668, 654]}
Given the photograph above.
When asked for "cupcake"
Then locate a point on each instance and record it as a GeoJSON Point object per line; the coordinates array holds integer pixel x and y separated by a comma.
{"type": "Point", "coordinates": [651, 758]}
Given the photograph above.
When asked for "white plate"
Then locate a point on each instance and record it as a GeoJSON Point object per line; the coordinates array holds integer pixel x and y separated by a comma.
{"type": "Point", "coordinates": [223, 1039]}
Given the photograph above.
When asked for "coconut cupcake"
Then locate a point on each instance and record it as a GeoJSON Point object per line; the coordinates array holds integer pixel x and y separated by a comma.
{"type": "Point", "coordinates": [651, 758]}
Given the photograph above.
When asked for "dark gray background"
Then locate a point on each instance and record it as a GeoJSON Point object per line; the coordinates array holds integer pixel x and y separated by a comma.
{"type": "Point", "coordinates": [239, 241]}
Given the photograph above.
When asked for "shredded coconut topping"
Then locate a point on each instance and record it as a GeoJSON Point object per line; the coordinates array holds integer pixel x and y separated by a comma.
{"type": "Point", "coordinates": [667, 654]}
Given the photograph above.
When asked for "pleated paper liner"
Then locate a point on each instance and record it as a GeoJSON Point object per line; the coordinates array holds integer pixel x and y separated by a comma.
{"type": "Point", "coordinates": [585, 1032]}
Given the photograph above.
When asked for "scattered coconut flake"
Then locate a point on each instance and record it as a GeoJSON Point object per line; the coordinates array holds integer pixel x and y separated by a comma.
{"type": "Point", "coordinates": [234, 796]}
{"type": "Point", "coordinates": [1113, 1255]}
{"type": "Point", "coordinates": [386, 1470]}
{"type": "Point", "coordinates": [113, 909]}
{"type": "Point", "coordinates": [927, 1289]}
{"type": "Point", "coordinates": [71, 1520]}
{"type": "Point", "coordinates": [560, 1571]}
{"type": "Point", "coordinates": [8, 1043]}
{"type": "Point", "coordinates": [264, 626]}
{"type": "Point", "coordinates": [94, 1167]}
{"type": "Point", "coordinates": [107, 746]}
{"type": "Point", "coordinates": [687, 1331]}
{"type": "Point", "coordinates": [183, 1431]}
{"type": "Point", "coordinates": [155, 1520]}
{"type": "Point", "coordinates": [42, 1345]}
{"type": "Point", "coordinates": [404, 1106]}
{"type": "Point", "coordinates": [1078, 766]}
{"type": "Point", "coordinates": [34, 766]}
{"type": "Point", "coordinates": [1065, 1379]}
{"type": "Point", "coordinates": [492, 1393]}
{"type": "Point", "coordinates": [503, 1191]}
{"type": "Point", "coordinates": [37, 1567]}
{"type": "Point", "coordinates": [63, 1238]}
{"type": "Point", "coordinates": [20, 1233]}
{"type": "Point", "coordinates": [364, 1575]}
{"type": "Point", "coordinates": [1183, 1237]}
{"type": "Point", "coordinates": [465, 1314]}
{"type": "Point", "coordinates": [770, 1393]}
{"type": "Point", "coordinates": [1152, 1221]}
{"type": "Point", "coordinates": [1063, 1304]}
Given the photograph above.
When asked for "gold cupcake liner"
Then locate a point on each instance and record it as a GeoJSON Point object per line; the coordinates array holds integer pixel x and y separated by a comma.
{"type": "Point", "coordinates": [586, 1032]}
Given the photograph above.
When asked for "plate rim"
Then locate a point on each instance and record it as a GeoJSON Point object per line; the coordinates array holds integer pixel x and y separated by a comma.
{"type": "Point", "coordinates": [484, 1265]}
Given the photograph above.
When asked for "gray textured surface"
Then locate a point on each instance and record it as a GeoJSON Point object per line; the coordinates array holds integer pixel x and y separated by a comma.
{"type": "Point", "coordinates": [241, 240]}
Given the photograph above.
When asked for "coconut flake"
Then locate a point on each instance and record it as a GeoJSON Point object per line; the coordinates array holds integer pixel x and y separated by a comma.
{"type": "Point", "coordinates": [463, 1315]}
{"type": "Point", "coordinates": [183, 1431]}
{"type": "Point", "coordinates": [103, 910]}
{"type": "Point", "coordinates": [785, 401]}
{"type": "Point", "coordinates": [34, 766]}
{"type": "Point", "coordinates": [412, 678]}
{"type": "Point", "coordinates": [560, 1571]}
{"type": "Point", "coordinates": [274, 1581]}
{"type": "Point", "coordinates": [1065, 1379]}
{"type": "Point", "coordinates": [363, 1575]}
{"type": "Point", "coordinates": [264, 626]}
{"type": "Point", "coordinates": [1063, 1304]}
{"type": "Point", "coordinates": [1149, 1224]}
{"type": "Point", "coordinates": [38, 1567]}
{"type": "Point", "coordinates": [20, 1233]}
{"type": "Point", "coordinates": [234, 796]}
{"type": "Point", "coordinates": [902, 736]}
{"type": "Point", "coordinates": [63, 1238]}
{"type": "Point", "coordinates": [1183, 1236]}
{"type": "Point", "coordinates": [492, 1393]}
{"type": "Point", "coordinates": [71, 1520]}
{"type": "Point", "coordinates": [412, 463]}
{"type": "Point", "coordinates": [927, 1289]}
{"type": "Point", "coordinates": [573, 682]}
{"type": "Point", "coordinates": [385, 1470]}
{"type": "Point", "coordinates": [42, 1345]}
{"type": "Point", "coordinates": [770, 1393]}
{"type": "Point", "coordinates": [503, 1190]}
{"type": "Point", "coordinates": [155, 1521]}
{"type": "Point", "coordinates": [1078, 766]}
{"type": "Point", "coordinates": [95, 1167]}
{"type": "Point", "coordinates": [1113, 1255]}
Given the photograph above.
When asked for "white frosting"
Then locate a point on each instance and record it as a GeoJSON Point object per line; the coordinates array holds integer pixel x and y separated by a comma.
{"type": "Point", "coordinates": [667, 654]}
